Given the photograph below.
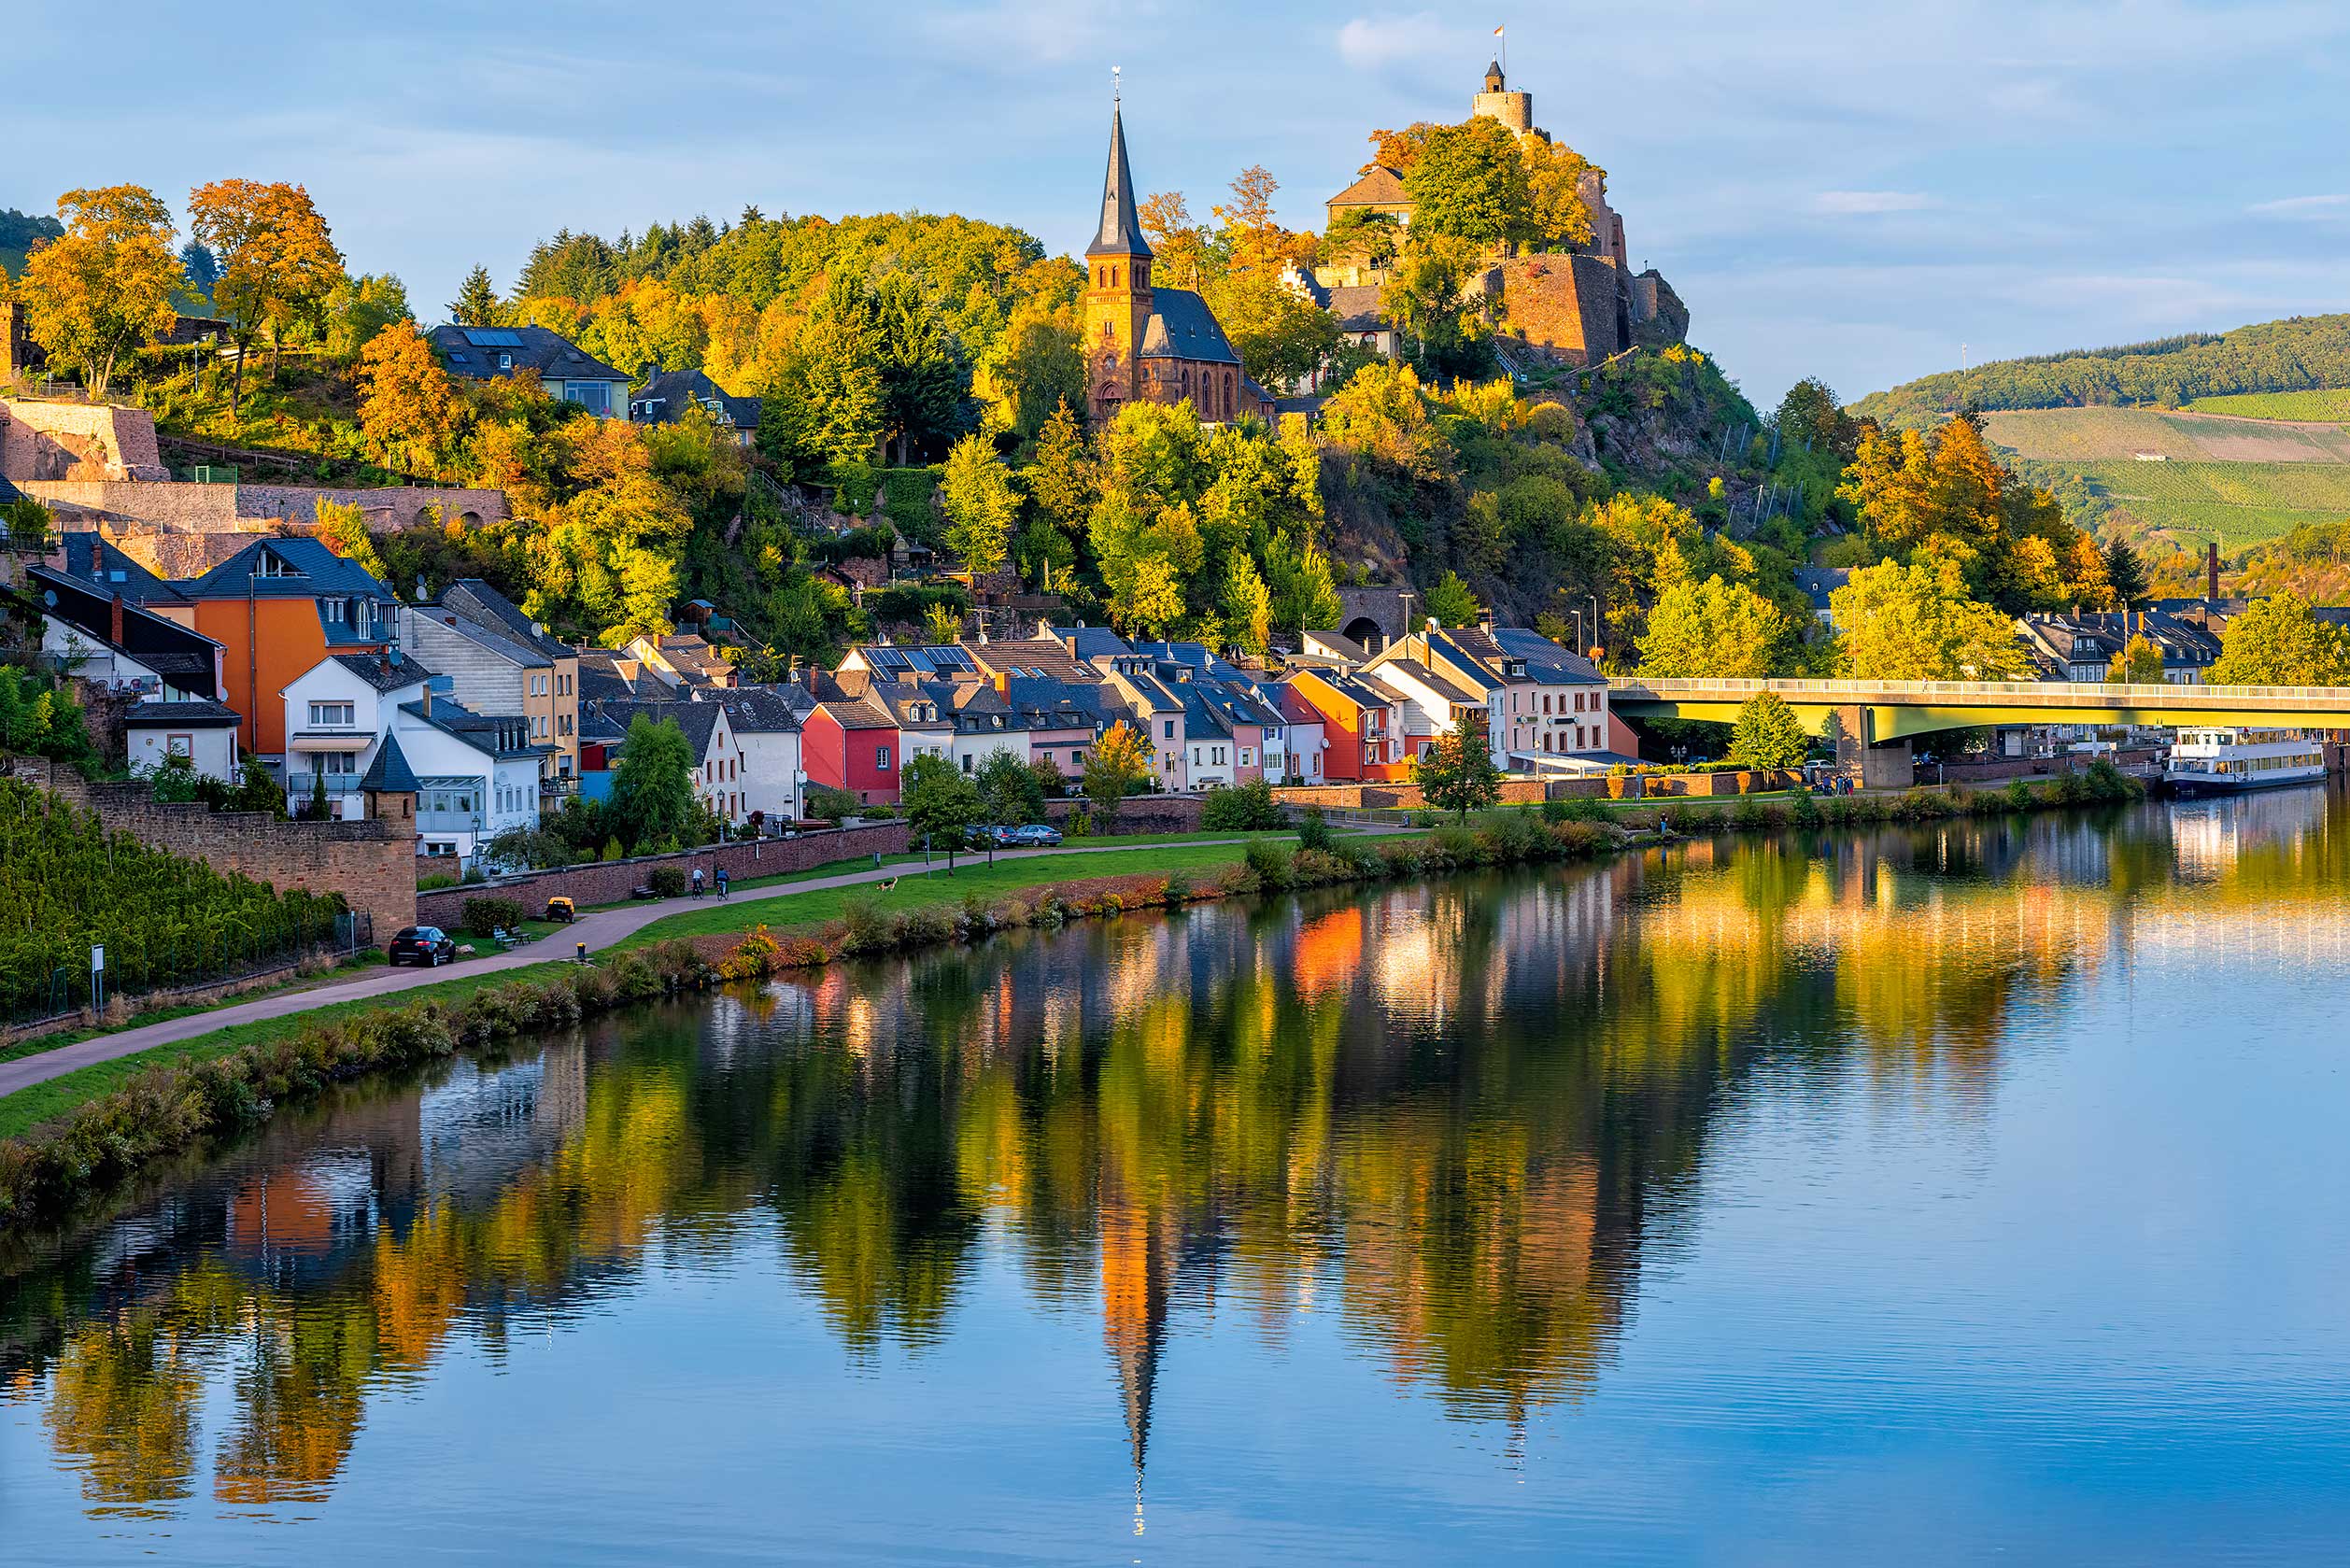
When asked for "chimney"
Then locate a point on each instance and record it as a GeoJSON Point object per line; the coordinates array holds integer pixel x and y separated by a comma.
{"type": "Point", "coordinates": [114, 621]}
{"type": "Point", "coordinates": [2210, 570]}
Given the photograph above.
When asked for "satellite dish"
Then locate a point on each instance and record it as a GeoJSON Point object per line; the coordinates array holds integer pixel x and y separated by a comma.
{"type": "Point", "coordinates": [48, 598]}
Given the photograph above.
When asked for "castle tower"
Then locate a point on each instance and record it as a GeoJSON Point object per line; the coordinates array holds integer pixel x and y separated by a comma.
{"type": "Point", "coordinates": [1513, 109]}
{"type": "Point", "coordinates": [1117, 304]}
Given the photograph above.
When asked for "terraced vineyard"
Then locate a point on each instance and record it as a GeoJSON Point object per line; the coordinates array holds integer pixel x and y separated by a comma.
{"type": "Point", "coordinates": [2332, 404]}
{"type": "Point", "coordinates": [2197, 473]}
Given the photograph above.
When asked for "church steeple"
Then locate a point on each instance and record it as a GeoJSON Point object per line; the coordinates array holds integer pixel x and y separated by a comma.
{"type": "Point", "coordinates": [1121, 232]}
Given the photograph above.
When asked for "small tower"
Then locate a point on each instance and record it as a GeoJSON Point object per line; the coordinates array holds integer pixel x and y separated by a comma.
{"type": "Point", "coordinates": [389, 788]}
{"type": "Point", "coordinates": [1513, 109]}
{"type": "Point", "coordinates": [1117, 304]}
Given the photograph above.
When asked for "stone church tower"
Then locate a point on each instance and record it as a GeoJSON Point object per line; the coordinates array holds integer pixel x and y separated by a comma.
{"type": "Point", "coordinates": [1117, 304]}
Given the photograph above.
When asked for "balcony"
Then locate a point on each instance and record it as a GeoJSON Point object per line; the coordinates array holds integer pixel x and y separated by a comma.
{"type": "Point", "coordinates": [558, 785]}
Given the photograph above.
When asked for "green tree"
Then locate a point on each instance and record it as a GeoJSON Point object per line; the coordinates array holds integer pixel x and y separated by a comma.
{"type": "Point", "coordinates": [1767, 734]}
{"type": "Point", "coordinates": [105, 288]}
{"type": "Point", "coordinates": [1469, 182]}
{"type": "Point", "coordinates": [2279, 642]}
{"type": "Point", "coordinates": [1010, 790]}
{"type": "Point", "coordinates": [1305, 596]}
{"type": "Point", "coordinates": [1914, 623]}
{"type": "Point", "coordinates": [1443, 319]}
{"type": "Point", "coordinates": [982, 506]}
{"type": "Point", "coordinates": [2140, 662]}
{"type": "Point", "coordinates": [1248, 605]}
{"type": "Point", "coordinates": [476, 304]}
{"type": "Point", "coordinates": [1714, 628]}
{"type": "Point", "coordinates": [1450, 603]}
{"type": "Point", "coordinates": [833, 385]}
{"type": "Point", "coordinates": [359, 308]}
{"type": "Point", "coordinates": [653, 782]}
{"type": "Point", "coordinates": [940, 802]}
{"type": "Point", "coordinates": [1117, 767]}
{"type": "Point", "coordinates": [1457, 772]}
{"type": "Point", "coordinates": [2125, 573]}
{"type": "Point", "coordinates": [925, 380]}
{"type": "Point", "coordinates": [941, 623]}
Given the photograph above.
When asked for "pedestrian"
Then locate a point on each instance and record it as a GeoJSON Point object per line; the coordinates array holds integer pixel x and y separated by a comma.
{"type": "Point", "coordinates": [722, 884]}
{"type": "Point", "coordinates": [697, 882]}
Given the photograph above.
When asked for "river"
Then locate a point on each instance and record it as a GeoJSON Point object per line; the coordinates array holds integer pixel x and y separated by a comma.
{"type": "Point", "coordinates": [1916, 1195]}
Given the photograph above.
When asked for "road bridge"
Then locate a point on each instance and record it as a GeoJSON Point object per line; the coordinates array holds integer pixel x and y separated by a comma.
{"type": "Point", "coordinates": [1871, 722]}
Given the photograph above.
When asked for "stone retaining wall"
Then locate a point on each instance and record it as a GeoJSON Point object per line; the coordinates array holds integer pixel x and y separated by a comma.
{"type": "Point", "coordinates": [609, 881]}
{"type": "Point", "coordinates": [1138, 814]}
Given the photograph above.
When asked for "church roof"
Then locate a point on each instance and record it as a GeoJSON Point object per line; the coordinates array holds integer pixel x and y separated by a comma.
{"type": "Point", "coordinates": [1120, 231]}
{"type": "Point", "coordinates": [1181, 327]}
{"type": "Point", "coordinates": [1381, 188]}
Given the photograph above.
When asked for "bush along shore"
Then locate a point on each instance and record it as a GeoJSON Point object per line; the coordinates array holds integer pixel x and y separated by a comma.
{"type": "Point", "coordinates": [169, 1110]}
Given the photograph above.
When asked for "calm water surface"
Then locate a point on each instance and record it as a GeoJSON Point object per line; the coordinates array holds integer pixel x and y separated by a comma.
{"type": "Point", "coordinates": [1928, 1197]}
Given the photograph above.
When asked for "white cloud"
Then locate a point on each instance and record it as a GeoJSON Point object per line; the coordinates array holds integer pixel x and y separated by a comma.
{"type": "Point", "coordinates": [1843, 203]}
{"type": "Point", "coordinates": [1374, 42]}
{"type": "Point", "coordinates": [2302, 206]}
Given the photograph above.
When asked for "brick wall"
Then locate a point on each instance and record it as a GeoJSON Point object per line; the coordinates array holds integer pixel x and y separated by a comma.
{"type": "Point", "coordinates": [371, 864]}
{"type": "Point", "coordinates": [130, 509]}
{"type": "Point", "coordinates": [609, 881]}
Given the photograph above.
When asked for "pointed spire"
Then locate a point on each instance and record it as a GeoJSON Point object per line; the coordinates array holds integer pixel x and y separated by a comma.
{"type": "Point", "coordinates": [1121, 232]}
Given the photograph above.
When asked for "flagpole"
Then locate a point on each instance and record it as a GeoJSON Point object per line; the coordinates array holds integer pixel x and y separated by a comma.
{"type": "Point", "coordinates": [1502, 33]}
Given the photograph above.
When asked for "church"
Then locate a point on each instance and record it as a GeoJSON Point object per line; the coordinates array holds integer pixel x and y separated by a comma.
{"type": "Point", "coordinates": [1147, 344]}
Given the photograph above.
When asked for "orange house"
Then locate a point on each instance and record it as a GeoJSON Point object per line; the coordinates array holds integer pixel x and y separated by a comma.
{"type": "Point", "coordinates": [277, 608]}
{"type": "Point", "coordinates": [1364, 725]}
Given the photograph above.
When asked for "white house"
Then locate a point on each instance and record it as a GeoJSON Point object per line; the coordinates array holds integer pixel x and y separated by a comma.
{"type": "Point", "coordinates": [200, 729]}
{"type": "Point", "coordinates": [765, 724]}
{"type": "Point", "coordinates": [478, 774]}
{"type": "Point", "coordinates": [720, 780]}
{"type": "Point", "coordinates": [337, 713]}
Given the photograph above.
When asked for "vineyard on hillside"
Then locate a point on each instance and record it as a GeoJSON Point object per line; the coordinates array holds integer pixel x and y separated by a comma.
{"type": "Point", "coordinates": [2330, 404]}
{"type": "Point", "coordinates": [2240, 503]}
{"type": "Point", "coordinates": [67, 885]}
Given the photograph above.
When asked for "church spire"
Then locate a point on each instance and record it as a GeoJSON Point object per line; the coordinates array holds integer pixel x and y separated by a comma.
{"type": "Point", "coordinates": [1121, 232]}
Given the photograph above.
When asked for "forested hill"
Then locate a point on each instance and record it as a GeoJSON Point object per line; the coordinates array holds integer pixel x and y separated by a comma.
{"type": "Point", "coordinates": [2297, 354]}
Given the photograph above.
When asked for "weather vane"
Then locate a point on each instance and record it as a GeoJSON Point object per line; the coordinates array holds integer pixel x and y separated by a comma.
{"type": "Point", "coordinates": [1113, 84]}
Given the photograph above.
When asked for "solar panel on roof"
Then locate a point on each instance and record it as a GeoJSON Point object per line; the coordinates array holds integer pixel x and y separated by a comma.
{"type": "Point", "coordinates": [492, 337]}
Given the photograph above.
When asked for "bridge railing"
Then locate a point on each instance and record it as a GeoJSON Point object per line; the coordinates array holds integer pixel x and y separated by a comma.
{"type": "Point", "coordinates": [2073, 693]}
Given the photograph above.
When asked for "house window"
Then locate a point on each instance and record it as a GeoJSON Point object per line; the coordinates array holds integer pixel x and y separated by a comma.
{"type": "Point", "coordinates": [1171, 729]}
{"type": "Point", "coordinates": [881, 759]}
{"type": "Point", "coordinates": [335, 610]}
{"type": "Point", "coordinates": [505, 361]}
{"type": "Point", "coordinates": [967, 764]}
{"type": "Point", "coordinates": [593, 396]}
{"type": "Point", "coordinates": [179, 745]}
{"type": "Point", "coordinates": [333, 716]}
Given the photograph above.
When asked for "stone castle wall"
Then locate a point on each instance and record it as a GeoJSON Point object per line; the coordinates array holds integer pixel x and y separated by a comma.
{"type": "Point", "coordinates": [43, 440]}
{"type": "Point", "coordinates": [1572, 305]}
{"type": "Point", "coordinates": [184, 529]}
{"type": "Point", "coordinates": [371, 864]}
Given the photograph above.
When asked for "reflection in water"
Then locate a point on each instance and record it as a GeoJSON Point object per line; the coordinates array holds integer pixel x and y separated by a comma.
{"type": "Point", "coordinates": [1454, 1115]}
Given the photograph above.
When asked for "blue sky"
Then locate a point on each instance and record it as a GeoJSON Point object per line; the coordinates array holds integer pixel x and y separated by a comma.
{"type": "Point", "coordinates": [1847, 190]}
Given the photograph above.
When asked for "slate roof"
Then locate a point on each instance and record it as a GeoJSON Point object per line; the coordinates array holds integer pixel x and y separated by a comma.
{"type": "Point", "coordinates": [1817, 581]}
{"type": "Point", "coordinates": [1357, 308]}
{"type": "Point", "coordinates": [472, 352]}
{"type": "Point", "coordinates": [390, 771]}
{"type": "Point", "coordinates": [204, 715]}
{"type": "Point", "coordinates": [1546, 661]}
{"type": "Point", "coordinates": [484, 605]}
{"type": "Point", "coordinates": [315, 570]}
{"type": "Point", "coordinates": [665, 397]}
{"type": "Point", "coordinates": [1090, 642]}
{"type": "Point", "coordinates": [1181, 327]}
{"type": "Point", "coordinates": [1120, 232]}
{"type": "Point", "coordinates": [95, 560]}
{"type": "Point", "coordinates": [493, 639]}
{"type": "Point", "coordinates": [758, 711]}
{"type": "Point", "coordinates": [177, 654]}
{"type": "Point", "coordinates": [380, 672]}
{"type": "Point", "coordinates": [1047, 703]}
{"type": "Point", "coordinates": [1342, 647]}
{"type": "Point", "coordinates": [601, 679]}
{"type": "Point", "coordinates": [504, 735]}
{"type": "Point", "coordinates": [699, 720]}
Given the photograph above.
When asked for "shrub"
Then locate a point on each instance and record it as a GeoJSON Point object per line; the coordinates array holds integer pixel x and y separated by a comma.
{"type": "Point", "coordinates": [1806, 807]}
{"type": "Point", "coordinates": [867, 928]}
{"type": "Point", "coordinates": [667, 882]}
{"type": "Point", "coordinates": [486, 915]}
{"type": "Point", "coordinates": [1178, 890]}
{"type": "Point", "coordinates": [1555, 810]}
{"type": "Point", "coordinates": [1271, 863]}
{"type": "Point", "coordinates": [1313, 830]}
{"type": "Point", "coordinates": [1081, 823]}
{"type": "Point", "coordinates": [2018, 795]}
{"type": "Point", "coordinates": [438, 879]}
{"type": "Point", "coordinates": [752, 958]}
{"type": "Point", "coordinates": [1242, 809]}
{"type": "Point", "coordinates": [830, 805]}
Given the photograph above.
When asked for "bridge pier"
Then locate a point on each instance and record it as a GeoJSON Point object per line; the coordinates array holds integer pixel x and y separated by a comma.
{"type": "Point", "coordinates": [1872, 764]}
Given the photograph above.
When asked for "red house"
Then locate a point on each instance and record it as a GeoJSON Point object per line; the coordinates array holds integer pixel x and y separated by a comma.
{"type": "Point", "coordinates": [851, 743]}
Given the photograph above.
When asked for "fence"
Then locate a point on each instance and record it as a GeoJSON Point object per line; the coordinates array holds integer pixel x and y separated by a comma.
{"type": "Point", "coordinates": [201, 959]}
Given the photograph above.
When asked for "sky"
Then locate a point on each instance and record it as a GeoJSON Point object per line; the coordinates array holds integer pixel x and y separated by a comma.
{"type": "Point", "coordinates": [1862, 192]}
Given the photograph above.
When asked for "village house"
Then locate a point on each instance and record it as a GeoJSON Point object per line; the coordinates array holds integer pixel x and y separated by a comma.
{"type": "Point", "coordinates": [1361, 725]}
{"type": "Point", "coordinates": [277, 608]}
{"type": "Point", "coordinates": [767, 722]}
{"type": "Point", "coordinates": [476, 600]}
{"type": "Point", "coordinates": [666, 396]}
{"type": "Point", "coordinates": [478, 774]}
{"type": "Point", "coordinates": [334, 717]}
{"type": "Point", "coordinates": [195, 730]}
{"type": "Point", "coordinates": [567, 373]}
{"type": "Point", "coordinates": [848, 741]}
{"type": "Point", "coordinates": [716, 756]}
{"type": "Point", "coordinates": [489, 671]}
{"type": "Point", "coordinates": [93, 631]}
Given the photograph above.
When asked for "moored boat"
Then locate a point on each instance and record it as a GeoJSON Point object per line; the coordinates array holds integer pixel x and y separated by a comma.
{"type": "Point", "coordinates": [2229, 761]}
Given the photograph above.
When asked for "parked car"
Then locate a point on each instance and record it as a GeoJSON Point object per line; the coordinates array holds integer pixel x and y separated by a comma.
{"type": "Point", "coordinates": [425, 946]}
{"type": "Point", "coordinates": [562, 909]}
{"type": "Point", "coordinates": [1036, 835]}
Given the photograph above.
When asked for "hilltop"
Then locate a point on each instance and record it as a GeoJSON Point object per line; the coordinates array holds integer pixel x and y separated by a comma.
{"type": "Point", "coordinates": [2299, 354]}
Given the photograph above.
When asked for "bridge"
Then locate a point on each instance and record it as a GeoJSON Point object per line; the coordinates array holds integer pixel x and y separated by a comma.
{"type": "Point", "coordinates": [1871, 722]}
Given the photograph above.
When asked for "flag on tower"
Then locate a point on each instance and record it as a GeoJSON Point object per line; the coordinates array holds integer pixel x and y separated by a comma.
{"type": "Point", "coordinates": [1496, 32]}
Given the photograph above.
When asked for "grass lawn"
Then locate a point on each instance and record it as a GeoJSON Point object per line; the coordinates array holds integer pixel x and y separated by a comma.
{"type": "Point", "coordinates": [30, 1107]}
{"type": "Point", "coordinates": [794, 912]}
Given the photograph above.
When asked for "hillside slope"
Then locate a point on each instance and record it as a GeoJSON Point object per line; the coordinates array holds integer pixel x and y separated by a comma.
{"type": "Point", "coordinates": [2300, 353]}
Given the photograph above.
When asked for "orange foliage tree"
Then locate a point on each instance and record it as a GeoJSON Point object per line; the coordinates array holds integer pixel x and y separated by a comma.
{"type": "Point", "coordinates": [277, 263]}
{"type": "Point", "coordinates": [106, 288]}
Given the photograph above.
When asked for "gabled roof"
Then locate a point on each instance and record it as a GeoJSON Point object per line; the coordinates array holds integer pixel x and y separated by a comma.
{"type": "Point", "coordinates": [1340, 647]}
{"type": "Point", "coordinates": [498, 735]}
{"type": "Point", "coordinates": [472, 352]}
{"type": "Point", "coordinates": [664, 398]}
{"type": "Point", "coordinates": [889, 661]}
{"type": "Point", "coordinates": [381, 672]}
{"type": "Point", "coordinates": [491, 640]}
{"type": "Point", "coordinates": [1031, 658]}
{"type": "Point", "coordinates": [1381, 187]}
{"type": "Point", "coordinates": [93, 560]}
{"type": "Point", "coordinates": [307, 570]}
{"type": "Point", "coordinates": [1120, 232]}
{"type": "Point", "coordinates": [1047, 703]}
{"type": "Point", "coordinates": [1358, 308]}
{"type": "Point", "coordinates": [177, 654]}
{"type": "Point", "coordinates": [389, 771]}
{"type": "Point", "coordinates": [1090, 642]}
{"type": "Point", "coordinates": [1181, 327]}
{"type": "Point", "coordinates": [758, 711]}
{"type": "Point", "coordinates": [1546, 661]}
{"type": "Point", "coordinates": [484, 605]}
{"type": "Point", "coordinates": [699, 720]}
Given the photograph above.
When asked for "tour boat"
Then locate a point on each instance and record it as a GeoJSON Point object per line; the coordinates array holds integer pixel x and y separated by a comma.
{"type": "Point", "coordinates": [2227, 761]}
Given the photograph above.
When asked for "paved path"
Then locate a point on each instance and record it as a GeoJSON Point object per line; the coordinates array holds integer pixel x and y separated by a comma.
{"type": "Point", "coordinates": [599, 929]}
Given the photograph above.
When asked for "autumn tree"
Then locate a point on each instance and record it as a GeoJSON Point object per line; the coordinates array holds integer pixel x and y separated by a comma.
{"type": "Point", "coordinates": [342, 529]}
{"type": "Point", "coordinates": [1469, 182]}
{"type": "Point", "coordinates": [408, 408]}
{"type": "Point", "coordinates": [1281, 335]}
{"type": "Point", "coordinates": [1118, 765]}
{"type": "Point", "coordinates": [833, 387]}
{"type": "Point", "coordinates": [357, 309]}
{"type": "Point", "coordinates": [1250, 236]}
{"type": "Point", "coordinates": [1247, 605]}
{"type": "Point", "coordinates": [1714, 629]}
{"type": "Point", "coordinates": [1180, 248]}
{"type": "Point", "coordinates": [1035, 367]}
{"type": "Point", "coordinates": [1914, 623]}
{"type": "Point", "coordinates": [277, 263]}
{"type": "Point", "coordinates": [2140, 662]}
{"type": "Point", "coordinates": [1558, 216]}
{"type": "Point", "coordinates": [1442, 318]}
{"type": "Point", "coordinates": [1398, 150]}
{"type": "Point", "coordinates": [105, 287]}
{"type": "Point", "coordinates": [982, 506]}
{"type": "Point", "coordinates": [1297, 573]}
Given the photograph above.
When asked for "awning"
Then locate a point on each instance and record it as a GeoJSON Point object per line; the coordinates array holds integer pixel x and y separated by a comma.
{"type": "Point", "coordinates": [328, 741]}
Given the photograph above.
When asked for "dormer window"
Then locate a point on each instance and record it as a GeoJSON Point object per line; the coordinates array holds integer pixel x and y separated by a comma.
{"type": "Point", "coordinates": [505, 361]}
{"type": "Point", "coordinates": [335, 610]}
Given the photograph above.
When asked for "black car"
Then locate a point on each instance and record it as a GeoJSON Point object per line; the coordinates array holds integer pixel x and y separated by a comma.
{"type": "Point", "coordinates": [426, 946]}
